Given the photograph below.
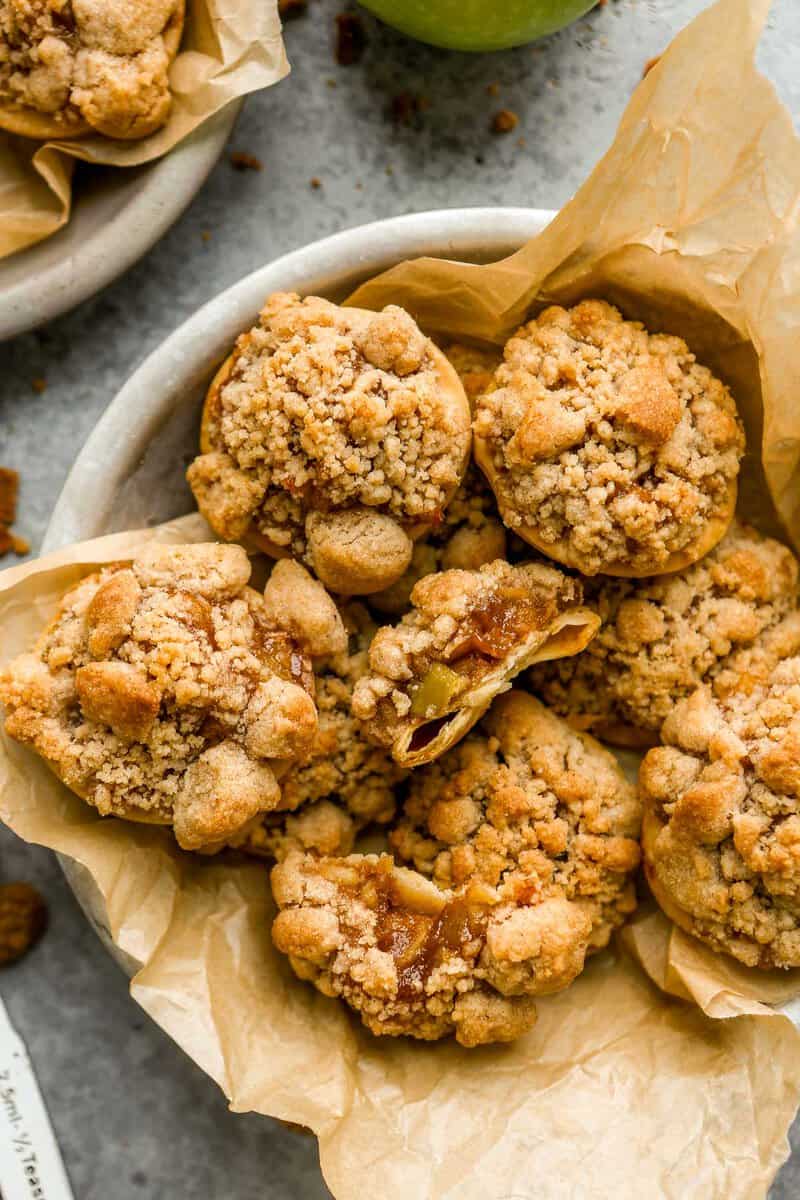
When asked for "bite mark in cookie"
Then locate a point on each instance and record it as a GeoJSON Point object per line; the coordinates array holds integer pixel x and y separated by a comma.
{"type": "Point", "coordinates": [162, 692]}
{"type": "Point", "coordinates": [531, 832]}
{"type": "Point", "coordinates": [72, 67]}
{"type": "Point", "coordinates": [333, 435]}
{"type": "Point", "coordinates": [661, 638]}
{"type": "Point", "coordinates": [434, 674]}
{"type": "Point", "coordinates": [609, 448]}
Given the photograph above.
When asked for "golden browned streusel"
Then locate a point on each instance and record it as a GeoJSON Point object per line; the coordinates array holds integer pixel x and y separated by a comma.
{"type": "Point", "coordinates": [161, 692]}
{"type": "Point", "coordinates": [468, 634]}
{"type": "Point", "coordinates": [661, 638]}
{"type": "Point", "coordinates": [609, 448]}
{"type": "Point", "coordinates": [68, 67]}
{"type": "Point", "coordinates": [470, 535]}
{"type": "Point", "coordinates": [721, 834]}
{"type": "Point", "coordinates": [344, 783]}
{"type": "Point", "coordinates": [335, 435]}
{"type": "Point", "coordinates": [530, 831]}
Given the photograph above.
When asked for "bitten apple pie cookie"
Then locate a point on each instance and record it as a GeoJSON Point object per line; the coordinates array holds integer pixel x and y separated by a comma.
{"type": "Point", "coordinates": [529, 831]}
{"type": "Point", "coordinates": [433, 675]}
{"type": "Point", "coordinates": [161, 692]}
{"type": "Point", "coordinates": [333, 435]}
{"type": "Point", "coordinates": [661, 638]}
{"type": "Point", "coordinates": [609, 448]}
{"type": "Point", "coordinates": [73, 67]}
{"type": "Point", "coordinates": [721, 831]}
{"type": "Point", "coordinates": [345, 783]}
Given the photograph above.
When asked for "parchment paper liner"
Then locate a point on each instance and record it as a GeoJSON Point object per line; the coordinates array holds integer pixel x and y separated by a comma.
{"type": "Point", "coordinates": [229, 48]}
{"type": "Point", "coordinates": [631, 1085]}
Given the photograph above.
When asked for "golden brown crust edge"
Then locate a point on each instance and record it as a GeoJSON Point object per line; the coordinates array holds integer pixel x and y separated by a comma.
{"type": "Point", "coordinates": [28, 123]}
{"type": "Point", "coordinates": [713, 532]}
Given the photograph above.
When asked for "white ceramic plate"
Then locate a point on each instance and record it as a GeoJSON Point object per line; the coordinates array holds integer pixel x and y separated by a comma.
{"type": "Point", "coordinates": [130, 472]}
{"type": "Point", "coordinates": [116, 218]}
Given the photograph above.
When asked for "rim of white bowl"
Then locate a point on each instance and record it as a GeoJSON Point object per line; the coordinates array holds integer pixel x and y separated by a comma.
{"type": "Point", "coordinates": [168, 187]}
{"type": "Point", "coordinates": [133, 417]}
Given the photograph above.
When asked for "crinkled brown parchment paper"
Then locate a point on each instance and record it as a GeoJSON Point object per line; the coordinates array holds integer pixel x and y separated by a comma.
{"type": "Point", "coordinates": [665, 1070]}
{"type": "Point", "coordinates": [229, 48]}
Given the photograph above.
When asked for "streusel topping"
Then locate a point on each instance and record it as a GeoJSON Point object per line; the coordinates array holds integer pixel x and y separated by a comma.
{"type": "Point", "coordinates": [101, 63]}
{"type": "Point", "coordinates": [328, 411]}
{"type": "Point", "coordinates": [608, 447]}
{"type": "Point", "coordinates": [531, 831]}
{"type": "Point", "coordinates": [345, 783]}
{"type": "Point", "coordinates": [722, 826]}
{"type": "Point", "coordinates": [470, 535]}
{"type": "Point", "coordinates": [161, 692]}
{"type": "Point", "coordinates": [661, 638]}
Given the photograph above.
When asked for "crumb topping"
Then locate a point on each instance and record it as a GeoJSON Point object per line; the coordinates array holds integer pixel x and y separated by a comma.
{"type": "Point", "coordinates": [464, 628]}
{"type": "Point", "coordinates": [345, 783]}
{"type": "Point", "coordinates": [324, 410]}
{"type": "Point", "coordinates": [610, 447]}
{"type": "Point", "coordinates": [549, 826]}
{"type": "Point", "coordinates": [661, 638]}
{"type": "Point", "coordinates": [101, 63]}
{"type": "Point", "coordinates": [722, 829]}
{"type": "Point", "coordinates": [469, 535]}
{"type": "Point", "coordinates": [162, 692]}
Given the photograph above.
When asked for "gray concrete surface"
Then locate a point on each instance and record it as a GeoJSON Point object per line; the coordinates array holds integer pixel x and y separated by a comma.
{"type": "Point", "coordinates": [135, 1119]}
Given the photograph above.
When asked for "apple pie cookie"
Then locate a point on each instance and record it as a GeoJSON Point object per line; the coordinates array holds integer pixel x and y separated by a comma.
{"type": "Point", "coordinates": [333, 435]}
{"type": "Point", "coordinates": [609, 448]}
{"type": "Point", "coordinates": [661, 638]}
{"type": "Point", "coordinates": [721, 827]}
{"type": "Point", "coordinates": [435, 673]}
{"type": "Point", "coordinates": [345, 783]}
{"type": "Point", "coordinates": [162, 693]}
{"type": "Point", "coordinates": [529, 831]}
{"type": "Point", "coordinates": [73, 67]}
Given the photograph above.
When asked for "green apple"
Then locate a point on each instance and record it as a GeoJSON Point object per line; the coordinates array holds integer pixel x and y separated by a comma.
{"type": "Point", "coordinates": [478, 24]}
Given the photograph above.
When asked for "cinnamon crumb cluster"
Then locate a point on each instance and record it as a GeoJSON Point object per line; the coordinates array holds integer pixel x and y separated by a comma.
{"type": "Point", "coordinates": [88, 65]}
{"type": "Point", "coordinates": [609, 448]}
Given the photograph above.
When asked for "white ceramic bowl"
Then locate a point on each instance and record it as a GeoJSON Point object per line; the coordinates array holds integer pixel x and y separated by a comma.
{"type": "Point", "coordinates": [130, 472]}
{"type": "Point", "coordinates": [116, 218]}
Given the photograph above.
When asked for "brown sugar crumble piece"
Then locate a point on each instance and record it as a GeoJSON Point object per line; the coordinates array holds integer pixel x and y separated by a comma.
{"type": "Point", "coordinates": [661, 638]}
{"type": "Point", "coordinates": [344, 783]}
{"type": "Point", "coordinates": [240, 160]}
{"type": "Point", "coordinates": [529, 834]}
{"type": "Point", "coordinates": [23, 920]}
{"type": "Point", "coordinates": [721, 833]}
{"type": "Point", "coordinates": [162, 692]}
{"type": "Point", "coordinates": [504, 121]}
{"type": "Point", "coordinates": [434, 674]}
{"type": "Point", "coordinates": [351, 39]}
{"type": "Point", "coordinates": [335, 435]}
{"type": "Point", "coordinates": [609, 448]}
{"type": "Point", "coordinates": [72, 67]}
{"type": "Point", "coordinates": [315, 182]}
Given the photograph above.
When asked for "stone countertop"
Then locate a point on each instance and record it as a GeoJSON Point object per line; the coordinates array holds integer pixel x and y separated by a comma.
{"type": "Point", "coordinates": [135, 1119]}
